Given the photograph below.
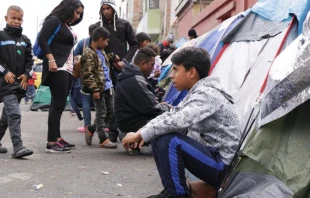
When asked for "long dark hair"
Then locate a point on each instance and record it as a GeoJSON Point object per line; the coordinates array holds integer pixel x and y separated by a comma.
{"type": "Point", "coordinates": [65, 10]}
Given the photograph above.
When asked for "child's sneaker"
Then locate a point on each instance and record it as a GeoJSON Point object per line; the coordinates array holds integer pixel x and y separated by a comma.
{"type": "Point", "coordinates": [66, 144]}
{"type": "Point", "coordinates": [81, 129]}
{"type": "Point", "coordinates": [2, 149]}
{"type": "Point", "coordinates": [56, 148]}
{"type": "Point", "coordinates": [22, 152]}
{"type": "Point", "coordinates": [88, 135]}
{"type": "Point", "coordinates": [107, 144]}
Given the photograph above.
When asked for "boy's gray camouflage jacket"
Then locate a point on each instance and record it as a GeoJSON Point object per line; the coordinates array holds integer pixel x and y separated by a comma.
{"type": "Point", "coordinates": [206, 114]}
{"type": "Point", "coordinates": [91, 71]}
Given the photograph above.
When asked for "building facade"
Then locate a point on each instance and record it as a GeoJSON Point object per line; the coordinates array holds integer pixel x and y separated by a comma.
{"type": "Point", "coordinates": [203, 15]}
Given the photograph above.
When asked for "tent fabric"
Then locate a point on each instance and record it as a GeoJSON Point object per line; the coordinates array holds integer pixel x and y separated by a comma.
{"type": "Point", "coordinates": [181, 42]}
{"type": "Point", "coordinates": [281, 10]}
{"type": "Point", "coordinates": [289, 79]}
{"type": "Point", "coordinates": [254, 28]}
{"type": "Point", "coordinates": [274, 162]}
{"type": "Point", "coordinates": [235, 63]}
{"type": "Point", "coordinates": [249, 90]}
{"type": "Point", "coordinates": [42, 100]}
{"type": "Point", "coordinates": [280, 147]}
{"type": "Point", "coordinates": [246, 185]}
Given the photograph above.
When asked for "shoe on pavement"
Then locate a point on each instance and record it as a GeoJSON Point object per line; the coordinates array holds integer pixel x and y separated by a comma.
{"type": "Point", "coordinates": [66, 144]}
{"type": "Point", "coordinates": [56, 148]}
{"type": "Point", "coordinates": [81, 129]}
{"type": "Point", "coordinates": [107, 144]}
{"type": "Point", "coordinates": [88, 135]}
{"type": "Point", "coordinates": [2, 149]}
{"type": "Point", "coordinates": [22, 152]}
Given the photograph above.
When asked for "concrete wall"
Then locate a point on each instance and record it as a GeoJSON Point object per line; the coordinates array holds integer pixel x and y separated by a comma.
{"type": "Point", "coordinates": [211, 16]}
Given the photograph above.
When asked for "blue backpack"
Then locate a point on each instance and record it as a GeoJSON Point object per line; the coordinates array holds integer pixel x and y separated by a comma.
{"type": "Point", "coordinates": [36, 47]}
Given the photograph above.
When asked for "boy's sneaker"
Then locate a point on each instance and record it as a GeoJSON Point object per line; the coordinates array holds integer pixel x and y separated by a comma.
{"type": "Point", "coordinates": [89, 133]}
{"type": "Point", "coordinates": [2, 149]}
{"type": "Point", "coordinates": [107, 144]}
{"type": "Point", "coordinates": [66, 144]}
{"type": "Point", "coordinates": [56, 148]}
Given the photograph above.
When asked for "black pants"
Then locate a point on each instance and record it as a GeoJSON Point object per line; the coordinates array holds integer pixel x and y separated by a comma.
{"type": "Point", "coordinates": [60, 84]}
{"type": "Point", "coordinates": [174, 152]}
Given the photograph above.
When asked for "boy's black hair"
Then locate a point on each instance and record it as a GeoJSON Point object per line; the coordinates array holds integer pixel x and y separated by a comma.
{"type": "Point", "coordinates": [15, 8]}
{"type": "Point", "coordinates": [195, 57]}
{"type": "Point", "coordinates": [65, 10]}
{"type": "Point", "coordinates": [142, 36]}
{"type": "Point", "coordinates": [100, 32]}
{"type": "Point", "coordinates": [192, 33]}
{"type": "Point", "coordinates": [144, 54]}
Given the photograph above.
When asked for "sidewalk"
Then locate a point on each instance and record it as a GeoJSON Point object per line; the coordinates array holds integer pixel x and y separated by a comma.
{"type": "Point", "coordinates": [77, 174]}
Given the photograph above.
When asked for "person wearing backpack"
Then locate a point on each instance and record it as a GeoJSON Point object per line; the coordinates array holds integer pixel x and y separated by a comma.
{"type": "Point", "coordinates": [58, 65]}
{"type": "Point", "coordinates": [15, 69]}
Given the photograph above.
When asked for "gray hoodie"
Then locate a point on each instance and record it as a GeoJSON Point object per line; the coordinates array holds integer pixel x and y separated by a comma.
{"type": "Point", "coordinates": [206, 114]}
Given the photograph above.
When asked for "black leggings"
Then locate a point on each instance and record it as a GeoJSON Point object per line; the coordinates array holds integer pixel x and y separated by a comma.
{"type": "Point", "coordinates": [60, 84]}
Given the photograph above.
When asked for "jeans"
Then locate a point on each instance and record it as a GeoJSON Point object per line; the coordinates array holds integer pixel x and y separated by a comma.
{"type": "Point", "coordinates": [104, 113]}
{"type": "Point", "coordinates": [86, 98]}
{"type": "Point", "coordinates": [30, 91]}
{"type": "Point", "coordinates": [11, 118]}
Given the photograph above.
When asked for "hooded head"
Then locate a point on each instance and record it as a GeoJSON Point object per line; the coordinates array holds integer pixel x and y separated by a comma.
{"type": "Point", "coordinates": [170, 38]}
{"type": "Point", "coordinates": [108, 10]}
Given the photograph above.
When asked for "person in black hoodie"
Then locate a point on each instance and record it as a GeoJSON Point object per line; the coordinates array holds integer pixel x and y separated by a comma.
{"type": "Point", "coordinates": [135, 101]}
{"type": "Point", "coordinates": [58, 66]}
{"type": "Point", "coordinates": [122, 34]}
{"type": "Point", "coordinates": [15, 70]}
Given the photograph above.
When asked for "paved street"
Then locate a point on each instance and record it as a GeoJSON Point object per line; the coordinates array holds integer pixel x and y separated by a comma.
{"type": "Point", "coordinates": [77, 174]}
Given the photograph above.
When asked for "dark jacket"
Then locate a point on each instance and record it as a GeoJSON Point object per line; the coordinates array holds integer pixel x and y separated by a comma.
{"type": "Point", "coordinates": [60, 46]}
{"type": "Point", "coordinates": [135, 102]}
{"type": "Point", "coordinates": [15, 57]}
{"type": "Point", "coordinates": [118, 39]}
{"type": "Point", "coordinates": [165, 50]}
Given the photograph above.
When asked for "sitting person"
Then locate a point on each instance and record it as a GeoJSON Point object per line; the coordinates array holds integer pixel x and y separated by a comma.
{"type": "Point", "coordinates": [201, 134]}
{"type": "Point", "coordinates": [135, 100]}
{"type": "Point", "coordinates": [166, 47]}
{"type": "Point", "coordinates": [153, 77]}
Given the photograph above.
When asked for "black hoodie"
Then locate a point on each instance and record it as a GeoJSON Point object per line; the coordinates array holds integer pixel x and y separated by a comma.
{"type": "Point", "coordinates": [122, 34]}
{"type": "Point", "coordinates": [135, 102]}
{"type": "Point", "coordinates": [15, 57]}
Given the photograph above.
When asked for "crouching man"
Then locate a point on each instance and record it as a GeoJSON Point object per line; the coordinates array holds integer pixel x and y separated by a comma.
{"type": "Point", "coordinates": [201, 134]}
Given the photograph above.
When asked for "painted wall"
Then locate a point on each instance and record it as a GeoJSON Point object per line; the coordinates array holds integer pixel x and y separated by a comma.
{"type": "Point", "coordinates": [211, 16]}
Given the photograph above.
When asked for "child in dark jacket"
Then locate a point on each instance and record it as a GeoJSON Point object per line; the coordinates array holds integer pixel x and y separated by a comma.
{"type": "Point", "coordinates": [15, 70]}
{"type": "Point", "coordinates": [95, 74]}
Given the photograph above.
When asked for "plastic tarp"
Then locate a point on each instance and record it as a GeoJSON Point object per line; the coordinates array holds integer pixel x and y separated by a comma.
{"type": "Point", "coordinates": [255, 28]}
{"type": "Point", "coordinates": [281, 10]}
{"type": "Point", "coordinates": [288, 84]}
{"type": "Point", "coordinates": [42, 100]}
{"type": "Point", "coordinates": [181, 42]}
{"type": "Point", "coordinates": [249, 91]}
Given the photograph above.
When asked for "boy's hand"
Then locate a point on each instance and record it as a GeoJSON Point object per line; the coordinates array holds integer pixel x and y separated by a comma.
{"type": "Point", "coordinates": [133, 140]}
{"type": "Point", "coordinates": [96, 95]}
{"type": "Point", "coordinates": [23, 82]}
{"type": "Point", "coordinates": [9, 78]}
